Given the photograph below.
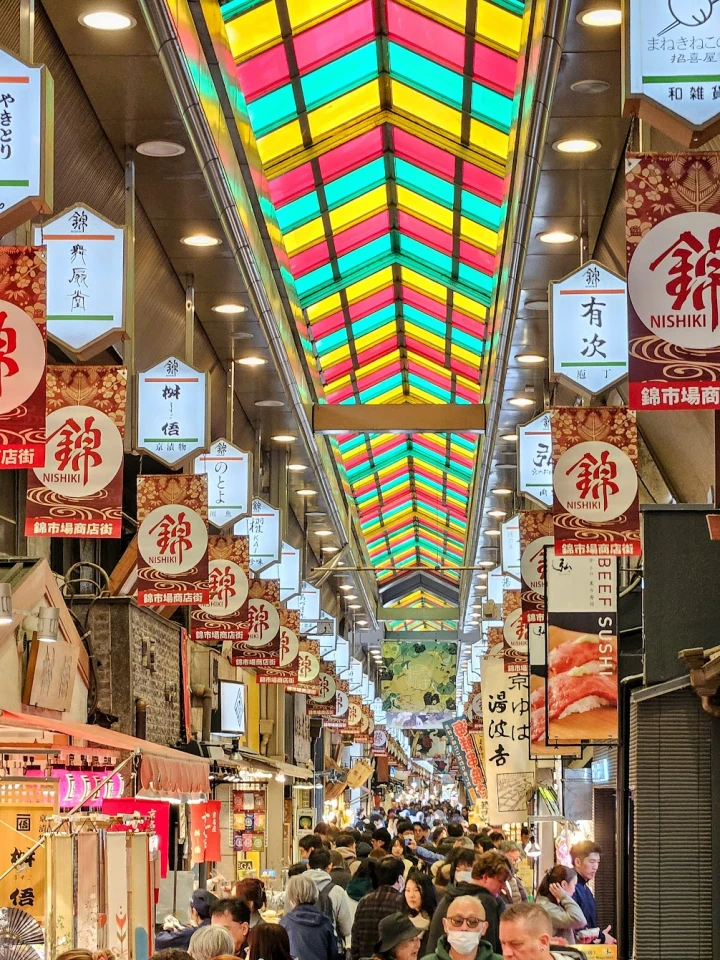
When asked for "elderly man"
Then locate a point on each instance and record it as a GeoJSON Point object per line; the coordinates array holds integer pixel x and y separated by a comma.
{"type": "Point", "coordinates": [526, 932]}
{"type": "Point", "coordinates": [465, 926]}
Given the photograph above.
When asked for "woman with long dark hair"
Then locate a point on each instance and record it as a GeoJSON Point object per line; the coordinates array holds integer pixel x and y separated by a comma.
{"type": "Point", "coordinates": [554, 895]}
{"type": "Point", "coordinates": [419, 903]}
{"type": "Point", "coordinates": [269, 941]}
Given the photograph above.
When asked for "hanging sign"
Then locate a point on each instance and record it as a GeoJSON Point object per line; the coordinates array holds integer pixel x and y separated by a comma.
{"type": "Point", "coordinates": [286, 672]}
{"type": "Point", "coordinates": [85, 280]}
{"type": "Point", "coordinates": [172, 540]}
{"type": "Point", "coordinates": [509, 771]}
{"type": "Point", "coordinates": [589, 329]}
{"type": "Point", "coordinates": [173, 411]}
{"type": "Point", "coordinates": [514, 633]}
{"type": "Point", "coordinates": [78, 493]}
{"type": "Point", "coordinates": [262, 528]}
{"type": "Point", "coordinates": [229, 472]}
{"type": "Point", "coordinates": [323, 704]}
{"type": "Point", "coordinates": [225, 616]}
{"type": "Point", "coordinates": [249, 820]}
{"type": "Point", "coordinates": [510, 540]}
{"type": "Point", "coordinates": [26, 141]}
{"type": "Point", "coordinates": [380, 742]}
{"type": "Point", "coordinates": [22, 357]}
{"type": "Point", "coordinates": [467, 757]}
{"type": "Point", "coordinates": [25, 815]}
{"type": "Point", "coordinates": [536, 533]}
{"type": "Point", "coordinates": [261, 647]}
{"type": "Point", "coordinates": [670, 71]}
{"type": "Point", "coordinates": [581, 693]}
{"type": "Point", "coordinates": [308, 668]}
{"type": "Point", "coordinates": [672, 231]}
{"type": "Point", "coordinates": [308, 603]}
{"type": "Point", "coordinates": [346, 707]}
{"type": "Point", "coordinates": [595, 507]}
{"type": "Point", "coordinates": [537, 662]}
{"type": "Point", "coordinates": [287, 572]}
{"type": "Point", "coordinates": [473, 709]}
{"type": "Point", "coordinates": [534, 455]}
{"type": "Point", "coordinates": [497, 583]}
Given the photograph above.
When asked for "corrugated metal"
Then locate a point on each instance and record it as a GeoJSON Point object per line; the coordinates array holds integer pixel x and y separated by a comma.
{"type": "Point", "coordinates": [670, 779]}
{"type": "Point", "coordinates": [604, 824]}
{"type": "Point", "coordinates": [608, 753]}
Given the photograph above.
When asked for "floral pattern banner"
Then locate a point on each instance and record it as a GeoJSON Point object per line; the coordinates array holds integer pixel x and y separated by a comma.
{"type": "Point", "coordinates": [324, 703]}
{"type": "Point", "coordinates": [287, 672]}
{"type": "Point", "coordinates": [595, 484]}
{"type": "Point", "coordinates": [308, 667]}
{"type": "Point", "coordinates": [172, 540]}
{"type": "Point", "coordinates": [672, 207]}
{"type": "Point", "coordinates": [78, 493]}
{"type": "Point", "coordinates": [225, 617]}
{"type": "Point", "coordinates": [23, 304]}
{"type": "Point", "coordinates": [536, 533]}
{"type": "Point", "coordinates": [261, 646]}
{"type": "Point", "coordinates": [419, 679]}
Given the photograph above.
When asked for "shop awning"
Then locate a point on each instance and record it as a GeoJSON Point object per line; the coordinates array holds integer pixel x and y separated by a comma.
{"type": "Point", "coordinates": [164, 770]}
{"type": "Point", "coordinates": [288, 769]}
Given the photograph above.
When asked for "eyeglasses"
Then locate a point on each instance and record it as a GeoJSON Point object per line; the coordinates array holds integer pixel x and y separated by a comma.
{"type": "Point", "coordinates": [472, 922]}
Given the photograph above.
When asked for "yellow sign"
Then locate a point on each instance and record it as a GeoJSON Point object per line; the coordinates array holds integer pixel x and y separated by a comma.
{"type": "Point", "coordinates": [598, 951]}
{"type": "Point", "coordinates": [24, 811]}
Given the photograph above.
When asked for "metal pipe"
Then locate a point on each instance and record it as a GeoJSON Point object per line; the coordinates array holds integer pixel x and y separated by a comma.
{"type": "Point", "coordinates": [543, 86]}
{"type": "Point", "coordinates": [204, 694]}
{"type": "Point", "coordinates": [176, 70]}
{"type": "Point", "coordinates": [141, 718]}
{"type": "Point", "coordinates": [622, 824]}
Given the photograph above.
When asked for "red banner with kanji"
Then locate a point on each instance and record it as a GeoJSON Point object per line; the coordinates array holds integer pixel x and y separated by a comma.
{"type": "Point", "coordinates": [205, 832]}
{"type": "Point", "coordinates": [261, 647]}
{"type": "Point", "coordinates": [536, 533]}
{"type": "Point", "coordinates": [225, 617]}
{"type": "Point", "coordinates": [23, 303]}
{"type": "Point", "coordinates": [323, 703]}
{"type": "Point", "coordinates": [308, 668]}
{"type": "Point", "coordinates": [172, 540]}
{"type": "Point", "coordinates": [672, 221]}
{"type": "Point", "coordinates": [287, 671]}
{"type": "Point", "coordinates": [595, 485]}
{"type": "Point", "coordinates": [78, 492]}
{"type": "Point", "coordinates": [155, 818]}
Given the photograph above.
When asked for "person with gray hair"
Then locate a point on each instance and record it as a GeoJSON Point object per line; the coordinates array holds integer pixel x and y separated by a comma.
{"type": "Point", "coordinates": [514, 891]}
{"type": "Point", "coordinates": [309, 929]}
{"type": "Point", "coordinates": [209, 942]}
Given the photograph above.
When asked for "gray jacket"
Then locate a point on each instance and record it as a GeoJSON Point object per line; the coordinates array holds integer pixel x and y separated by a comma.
{"type": "Point", "coordinates": [341, 910]}
{"type": "Point", "coordinates": [566, 916]}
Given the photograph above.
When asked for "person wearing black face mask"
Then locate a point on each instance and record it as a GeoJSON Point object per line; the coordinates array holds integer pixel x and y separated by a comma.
{"type": "Point", "coordinates": [465, 927]}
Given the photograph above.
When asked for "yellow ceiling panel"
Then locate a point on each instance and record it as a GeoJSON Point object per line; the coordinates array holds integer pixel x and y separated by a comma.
{"type": "Point", "coordinates": [323, 308]}
{"type": "Point", "coordinates": [376, 281]}
{"type": "Point", "coordinates": [305, 236]}
{"type": "Point", "coordinates": [253, 31]}
{"type": "Point", "coordinates": [487, 138]}
{"type": "Point", "coordinates": [359, 209]}
{"type": "Point", "coordinates": [418, 206]}
{"type": "Point", "coordinates": [343, 110]}
{"type": "Point", "coordinates": [478, 235]}
{"type": "Point", "coordinates": [472, 308]}
{"type": "Point", "coordinates": [426, 110]}
{"type": "Point", "coordinates": [283, 140]}
{"type": "Point", "coordinates": [417, 282]}
{"type": "Point", "coordinates": [500, 27]}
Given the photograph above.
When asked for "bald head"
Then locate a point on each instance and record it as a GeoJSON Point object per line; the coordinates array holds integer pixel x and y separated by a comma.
{"type": "Point", "coordinates": [465, 914]}
{"type": "Point", "coordinates": [466, 906]}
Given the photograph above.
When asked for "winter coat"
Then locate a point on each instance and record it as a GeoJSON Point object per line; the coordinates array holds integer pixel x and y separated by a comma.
{"type": "Point", "coordinates": [340, 876]}
{"type": "Point", "coordinates": [490, 905]}
{"type": "Point", "coordinates": [442, 951]}
{"type": "Point", "coordinates": [341, 911]}
{"type": "Point", "coordinates": [370, 911]}
{"type": "Point", "coordinates": [566, 916]}
{"type": "Point", "coordinates": [177, 939]}
{"type": "Point", "coordinates": [310, 933]}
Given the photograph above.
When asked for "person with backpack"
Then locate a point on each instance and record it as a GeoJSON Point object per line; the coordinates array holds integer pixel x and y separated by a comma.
{"type": "Point", "coordinates": [311, 933]}
{"type": "Point", "coordinates": [385, 899]}
{"type": "Point", "coordinates": [331, 897]}
{"type": "Point", "coordinates": [345, 844]}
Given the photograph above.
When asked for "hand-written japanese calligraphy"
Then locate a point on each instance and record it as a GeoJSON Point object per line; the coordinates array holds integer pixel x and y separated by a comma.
{"type": "Point", "coordinates": [78, 447]}
{"type": "Point", "coordinates": [696, 270]}
{"type": "Point", "coordinates": [595, 478]}
{"type": "Point", "coordinates": [174, 535]}
{"type": "Point", "coordinates": [6, 120]}
{"type": "Point", "coordinates": [8, 345]}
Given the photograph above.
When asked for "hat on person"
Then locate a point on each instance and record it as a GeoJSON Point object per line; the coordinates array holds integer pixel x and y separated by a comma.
{"type": "Point", "coordinates": [202, 902]}
{"type": "Point", "coordinates": [394, 929]}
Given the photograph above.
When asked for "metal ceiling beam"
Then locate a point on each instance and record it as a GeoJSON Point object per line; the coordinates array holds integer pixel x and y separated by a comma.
{"type": "Point", "coordinates": [422, 636]}
{"type": "Point", "coordinates": [418, 613]}
{"type": "Point", "coordinates": [398, 418]}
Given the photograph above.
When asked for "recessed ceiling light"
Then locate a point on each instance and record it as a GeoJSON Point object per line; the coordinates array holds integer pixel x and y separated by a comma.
{"type": "Point", "coordinates": [497, 513]}
{"type": "Point", "coordinates": [482, 576]}
{"type": "Point", "coordinates": [323, 533]}
{"type": "Point", "coordinates": [306, 492]}
{"type": "Point", "coordinates": [230, 309]}
{"type": "Point", "coordinates": [530, 358]}
{"type": "Point", "coordinates": [350, 596]}
{"type": "Point", "coordinates": [200, 240]}
{"type": "Point", "coordinates": [522, 401]}
{"type": "Point", "coordinates": [251, 361]}
{"type": "Point", "coordinates": [354, 606]}
{"type": "Point", "coordinates": [477, 606]}
{"type": "Point", "coordinates": [501, 491]}
{"type": "Point", "coordinates": [537, 306]}
{"type": "Point", "coordinates": [269, 403]}
{"type": "Point", "coordinates": [511, 438]}
{"type": "Point", "coordinates": [330, 549]}
{"type": "Point", "coordinates": [296, 467]}
{"type": "Point", "coordinates": [241, 335]}
{"type": "Point", "coordinates": [160, 148]}
{"type": "Point", "coordinates": [364, 623]}
{"type": "Point", "coordinates": [283, 438]}
{"type": "Point", "coordinates": [492, 533]}
{"type": "Point", "coordinates": [107, 20]}
{"type": "Point", "coordinates": [601, 16]}
{"type": "Point", "coordinates": [487, 563]}
{"type": "Point", "coordinates": [577, 145]}
{"type": "Point", "coordinates": [556, 237]}
{"type": "Point", "coordinates": [592, 87]}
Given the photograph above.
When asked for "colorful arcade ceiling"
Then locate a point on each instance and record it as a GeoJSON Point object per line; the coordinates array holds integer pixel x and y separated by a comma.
{"type": "Point", "coordinates": [384, 128]}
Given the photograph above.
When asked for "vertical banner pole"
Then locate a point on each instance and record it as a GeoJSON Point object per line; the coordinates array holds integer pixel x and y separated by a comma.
{"type": "Point", "coordinates": [230, 408]}
{"type": "Point", "coordinates": [129, 343]}
{"type": "Point", "coordinates": [27, 53]}
{"type": "Point", "coordinates": [189, 319]}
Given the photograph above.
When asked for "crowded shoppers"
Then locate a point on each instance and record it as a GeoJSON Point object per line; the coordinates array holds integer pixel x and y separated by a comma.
{"type": "Point", "coordinates": [381, 840]}
{"type": "Point", "coordinates": [586, 860]}
{"type": "Point", "coordinates": [420, 903]}
{"type": "Point", "coordinates": [399, 850]}
{"type": "Point", "coordinates": [346, 845]}
{"type": "Point", "coordinates": [331, 898]}
{"type": "Point", "coordinates": [526, 934]}
{"type": "Point", "coordinates": [554, 895]}
{"type": "Point", "coordinates": [201, 904]}
{"type": "Point", "coordinates": [234, 915]}
{"type": "Point", "coordinates": [514, 890]}
{"type": "Point", "coordinates": [252, 891]}
{"type": "Point", "coordinates": [269, 941]}
{"type": "Point", "coordinates": [398, 939]}
{"type": "Point", "coordinates": [384, 900]}
{"type": "Point", "coordinates": [209, 942]}
{"type": "Point", "coordinates": [464, 929]}
{"type": "Point", "coordinates": [309, 931]}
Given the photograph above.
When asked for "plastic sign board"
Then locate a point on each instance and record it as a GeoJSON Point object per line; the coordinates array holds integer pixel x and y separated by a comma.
{"type": "Point", "coordinates": [26, 141]}
{"type": "Point", "coordinates": [672, 67]}
{"type": "Point", "coordinates": [510, 540]}
{"type": "Point", "coordinates": [308, 603]}
{"type": "Point", "coordinates": [228, 470]}
{"type": "Point", "coordinates": [534, 453]}
{"type": "Point", "coordinates": [287, 572]}
{"type": "Point", "coordinates": [85, 280]}
{"type": "Point", "coordinates": [262, 528]}
{"type": "Point", "coordinates": [172, 411]}
{"type": "Point", "coordinates": [589, 329]}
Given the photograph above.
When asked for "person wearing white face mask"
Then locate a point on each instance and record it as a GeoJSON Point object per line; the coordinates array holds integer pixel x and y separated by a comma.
{"type": "Point", "coordinates": [465, 926]}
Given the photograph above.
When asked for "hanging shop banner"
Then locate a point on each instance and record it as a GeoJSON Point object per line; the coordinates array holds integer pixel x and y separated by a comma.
{"type": "Point", "coordinates": [262, 528]}
{"type": "Point", "coordinates": [418, 682]}
{"type": "Point", "coordinates": [205, 832]}
{"type": "Point", "coordinates": [380, 742]}
{"type": "Point", "coordinates": [173, 412]}
{"type": "Point", "coordinates": [261, 647]}
{"type": "Point", "coordinates": [286, 672]}
{"type": "Point", "coordinates": [26, 809]}
{"type": "Point", "coordinates": [229, 473]}
{"type": "Point", "coordinates": [323, 703]}
{"type": "Point", "coordinates": [580, 702]}
{"type": "Point", "coordinates": [509, 771]}
{"type": "Point", "coordinates": [78, 493]}
{"type": "Point", "coordinates": [536, 533]}
{"type": "Point", "coordinates": [308, 672]}
{"type": "Point", "coordinates": [473, 709]}
{"type": "Point", "coordinates": [248, 820]}
{"type": "Point", "coordinates": [537, 663]}
{"type": "Point", "coordinates": [589, 329]}
{"type": "Point", "coordinates": [172, 540]}
{"type": "Point", "coordinates": [595, 507]}
{"type": "Point", "coordinates": [26, 141]}
{"type": "Point", "coordinates": [308, 603]}
{"type": "Point", "coordinates": [225, 616]}
{"type": "Point", "coordinates": [510, 540]}
{"type": "Point", "coordinates": [534, 453]}
{"type": "Point", "coordinates": [428, 744]}
{"type": "Point", "coordinates": [495, 642]}
{"type": "Point", "coordinates": [674, 298]}
{"type": "Point", "coordinates": [497, 583]}
{"type": "Point", "coordinates": [468, 760]}
{"type": "Point", "coordinates": [154, 817]}
{"type": "Point", "coordinates": [85, 280]}
{"type": "Point", "coordinates": [670, 70]}
{"type": "Point", "coordinates": [514, 633]}
{"type": "Point", "coordinates": [22, 355]}
{"type": "Point", "coordinates": [287, 572]}
{"type": "Point", "coordinates": [347, 709]}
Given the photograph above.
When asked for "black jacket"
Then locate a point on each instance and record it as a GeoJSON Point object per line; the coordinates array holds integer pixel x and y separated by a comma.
{"type": "Point", "coordinates": [177, 939]}
{"type": "Point", "coordinates": [490, 905]}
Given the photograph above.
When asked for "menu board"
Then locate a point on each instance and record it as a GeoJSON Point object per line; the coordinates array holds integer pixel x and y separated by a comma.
{"type": "Point", "coordinates": [248, 820]}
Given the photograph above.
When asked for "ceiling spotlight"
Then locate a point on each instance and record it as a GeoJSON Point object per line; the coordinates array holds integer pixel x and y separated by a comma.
{"type": "Point", "coordinates": [330, 549]}
{"type": "Point", "coordinates": [160, 148]}
{"type": "Point", "coordinates": [606, 15]}
{"type": "Point", "coordinates": [269, 403]}
{"type": "Point", "coordinates": [354, 606]}
{"type": "Point", "coordinates": [251, 361]}
{"type": "Point", "coordinates": [577, 145]}
{"type": "Point", "coordinates": [107, 20]}
{"type": "Point", "coordinates": [201, 240]}
{"type": "Point", "coordinates": [482, 576]}
{"type": "Point", "coordinates": [229, 309]}
{"type": "Point", "coordinates": [306, 492]}
{"type": "Point", "coordinates": [322, 533]}
{"type": "Point", "coordinates": [477, 606]}
{"type": "Point", "coordinates": [522, 401]}
{"type": "Point", "coordinates": [487, 563]}
{"type": "Point", "coordinates": [492, 532]}
{"type": "Point", "coordinates": [511, 438]}
{"type": "Point", "coordinates": [530, 358]}
{"type": "Point", "coordinates": [501, 491]}
{"type": "Point", "coordinates": [364, 623]}
{"type": "Point", "coordinates": [345, 586]}
{"type": "Point", "coordinates": [296, 467]}
{"type": "Point", "coordinates": [537, 306]}
{"type": "Point", "coordinates": [497, 513]}
{"type": "Point", "coordinates": [47, 624]}
{"type": "Point", "coordinates": [283, 438]}
{"type": "Point", "coordinates": [592, 87]}
{"type": "Point", "coordinates": [350, 596]}
{"type": "Point", "coordinates": [6, 607]}
{"type": "Point", "coordinates": [556, 237]}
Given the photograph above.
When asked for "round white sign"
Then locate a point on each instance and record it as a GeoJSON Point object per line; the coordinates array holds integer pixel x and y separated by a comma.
{"type": "Point", "coordinates": [364, 722]}
{"type": "Point", "coordinates": [228, 588]}
{"type": "Point", "coordinates": [172, 538]}
{"type": "Point", "coordinates": [379, 739]}
{"type": "Point", "coordinates": [595, 481]}
{"type": "Point", "coordinates": [327, 688]}
{"type": "Point", "coordinates": [514, 630]}
{"type": "Point", "coordinates": [308, 667]}
{"type": "Point", "coordinates": [476, 705]}
{"type": "Point", "coordinates": [670, 281]}
{"type": "Point", "coordinates": [289, 646]}
{"type": "Point", "coordinates": [83, 453]}
{"type": "Point", "coordinates": [342, 703]}
{"type": "Point", "coordinates": [532, 563]}
{"type": "Point", "coordinates": [22, 356]}
{"type": "Point", "coordinates": [264, 622]}
{"type": "Point", "coordinates": [354, 715]}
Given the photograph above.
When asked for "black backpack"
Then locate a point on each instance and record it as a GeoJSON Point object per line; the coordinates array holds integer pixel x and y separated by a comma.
{"type": "Point", "coordinates": [326, 906]}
